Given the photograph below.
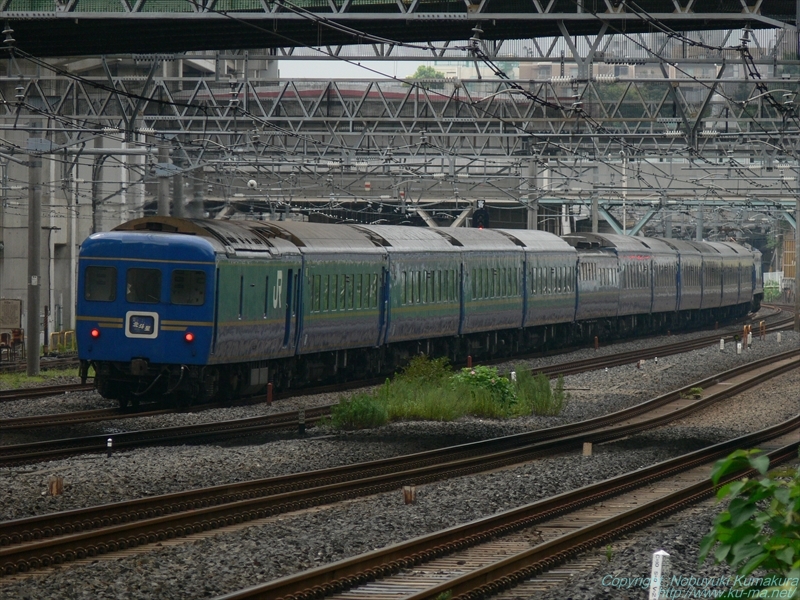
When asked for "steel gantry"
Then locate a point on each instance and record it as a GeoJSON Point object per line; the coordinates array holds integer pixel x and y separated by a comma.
{"type": "Point", "coordinates": [691, 134]}
{"type": "Point", "coordinates": [84, 27]}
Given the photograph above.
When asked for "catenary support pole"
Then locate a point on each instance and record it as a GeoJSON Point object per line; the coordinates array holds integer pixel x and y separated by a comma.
{"type": "Point", "coordinates": [178, 203]}
{"type": "Point", "coordinates": [163, 181]}
{"type": "Point", "coordinates": [34, 251]}
{"type": "Point", "coordinates": [797, 263]}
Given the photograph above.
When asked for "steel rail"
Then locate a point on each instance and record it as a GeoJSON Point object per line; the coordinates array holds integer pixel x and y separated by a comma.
{"type": "Point", "coordinates": [73, 534]}
{"type": "Point", "coordinates": [347, 573]}
{"type": "Point", "coordinates": [43, 391]}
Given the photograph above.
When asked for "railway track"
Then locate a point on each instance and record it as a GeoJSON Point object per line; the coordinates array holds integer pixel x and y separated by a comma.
{"type": "Point", "coordinates": [484, 557]}
{"type": "Point", "coordinates": [61, 362]}
{"type": "Point", "coordinates": [50, 539]}
{"type": "Point", "coordinates": [565, 368]}
{"type": "Point", "coordinates": [43, 391]}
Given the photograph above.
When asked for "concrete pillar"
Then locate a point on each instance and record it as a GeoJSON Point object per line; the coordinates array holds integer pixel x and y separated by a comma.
{"type": "Point", "coordinates": [178, 207]}
{"type": "Point", "coordinates": [699, 233]}
{"type": "Point", "coordinates": [163, 181]}
{"type": "Point", "coordinates": [32, 328]}
{"type": "Point", "coordinates": [533, 214]}
{"type": "Point", "coordinates": [528, 187]}
{"type": "Point", "coordinates": [195, 208]}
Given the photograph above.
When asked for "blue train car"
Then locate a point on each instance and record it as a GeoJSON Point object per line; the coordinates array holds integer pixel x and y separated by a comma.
{"type": "Point", "coordinates": [195, 309]}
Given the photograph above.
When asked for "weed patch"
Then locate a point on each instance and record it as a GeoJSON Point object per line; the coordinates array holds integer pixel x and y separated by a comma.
{"type": "Point", "coordinates": [427, 390]}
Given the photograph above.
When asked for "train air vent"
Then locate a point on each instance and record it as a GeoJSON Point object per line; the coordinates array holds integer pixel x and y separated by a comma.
{"type": "Point", "coordinates": [155, 226]}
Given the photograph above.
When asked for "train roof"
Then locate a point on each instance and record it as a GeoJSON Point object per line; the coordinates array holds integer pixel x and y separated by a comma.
{"type": "Point", "coordinates": [400, 237]}
{"type": "Point", "coordinates": [533, 239]}
{"type": "Point", "coordinates": [155, 245]}
{"type": "Point", "coordinates": [477, 239]}
{"type": "Point", "coordinates": [625, 243]}
{"type": "Point", "coordinates": [730, 247]}
{"type": "Point", "coordinates": [683, 247]}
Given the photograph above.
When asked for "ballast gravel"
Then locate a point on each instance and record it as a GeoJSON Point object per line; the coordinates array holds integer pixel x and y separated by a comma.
{"type": "Point", "coordinates": [288, 543]}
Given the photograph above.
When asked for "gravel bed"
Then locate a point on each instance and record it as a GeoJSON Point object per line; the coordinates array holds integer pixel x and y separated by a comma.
{"type": "Point", "coordinates": [679, 536]}
{"type": "Point", "coordinates": [292, 542]}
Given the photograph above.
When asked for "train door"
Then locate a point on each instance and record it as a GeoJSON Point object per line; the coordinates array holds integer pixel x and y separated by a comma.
{"type": "Point", "coordinates": [462, 289]}
{"type": "Point", "coordinates": [290, 305]}
{"type": "Point", "coordinates": [216, 313]}
{"type": "Point", "coordinates": [383, 301]}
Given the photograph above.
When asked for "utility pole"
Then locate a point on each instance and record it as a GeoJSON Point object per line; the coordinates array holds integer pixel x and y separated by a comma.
{"type": "Point", "coordinates": [796, 248]}
{"type": "Point", "coordinates": [34, 247]}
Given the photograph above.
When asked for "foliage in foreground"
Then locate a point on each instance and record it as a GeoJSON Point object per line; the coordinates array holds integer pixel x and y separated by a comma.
{"type": "Point", "coordinates": [760, 528]}
{"type": "Point", "coordinates": [428, 390]}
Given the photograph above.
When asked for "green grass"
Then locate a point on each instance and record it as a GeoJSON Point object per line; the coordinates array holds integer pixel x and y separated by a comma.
{"type": "Point", "coordinates": [19, 380]}
{"type": "Point", "coordinates": [428, 390]}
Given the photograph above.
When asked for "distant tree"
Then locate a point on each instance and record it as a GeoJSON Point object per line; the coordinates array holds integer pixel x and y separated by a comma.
{"type": "Point", "coordinates": [428, 72]}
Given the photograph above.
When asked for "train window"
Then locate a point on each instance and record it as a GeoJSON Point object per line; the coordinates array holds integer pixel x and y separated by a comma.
{"type": "Point", "coordinates": [316, 294]}
{"type": "Point", "coordinates": [188, 287]}
{"type": "Point", "coordinates": [325, 292]}
{"type": "Point", "coordinates": [241, 295]}
{"type": "Point", "coordinates": [266, 295]}
{"type": "Point", "coordinates": [101, 284]}
{"type": "Point", "coordinates": [437, 286]}
{"type": "Point", "coordinates": [350, 289]}
{"type": "Point", "coordinates": [359, 290]}
{"type": "Point", "coordinates": [374, 291]}
{"type": "Point", "coordinates": [143, 285]}
{"type": "Point", "coordinates": [450, 284]}
{"type": "Point", "coordinates": [341, 292]}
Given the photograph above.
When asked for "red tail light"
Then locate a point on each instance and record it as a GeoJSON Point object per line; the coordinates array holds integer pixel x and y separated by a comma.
{"type": "Point", "coordinates": [189, 337]}
{"type": "Point", "coordinates": [95, 333]}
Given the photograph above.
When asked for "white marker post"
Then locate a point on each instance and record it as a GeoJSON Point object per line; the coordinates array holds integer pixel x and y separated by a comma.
{"type": "Point", "coordinates": [779, 337]}
{"type": "Point", "coordinates": [722, 343]}
{"type": "Point", "coordinates": [658, 573]}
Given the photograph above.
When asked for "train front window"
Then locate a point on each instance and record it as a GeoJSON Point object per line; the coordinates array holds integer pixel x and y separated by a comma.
{"type": "Point", "coordinates": [188, 287]}
{"type": "Point", "coordinates": [143, 285]}
{"type": "Point", "coordinates": [101, 284]}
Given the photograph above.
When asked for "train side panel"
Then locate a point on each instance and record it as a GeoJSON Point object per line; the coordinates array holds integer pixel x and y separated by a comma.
{"type": "Point", "coordinates": [491, 276]}
{"type": "Point", "coordinates": [665, 282]}
{"type": "Point", "coordinates": [543, 304]}
{"type": "Point", "coordinates": [598, 284]}
{"type": "Point", "coordinates": [423, 282]}
{"type": "Point", "coordinates": [424, 295]}
{"type": "Point", "coordinates": [492, 294]}
{"type": "Point", "coordinates": [730, 276]}
{"type": "Point", "coordinates": [257, 308]}
{"type": "Point", "coordinates": [689, 270]}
